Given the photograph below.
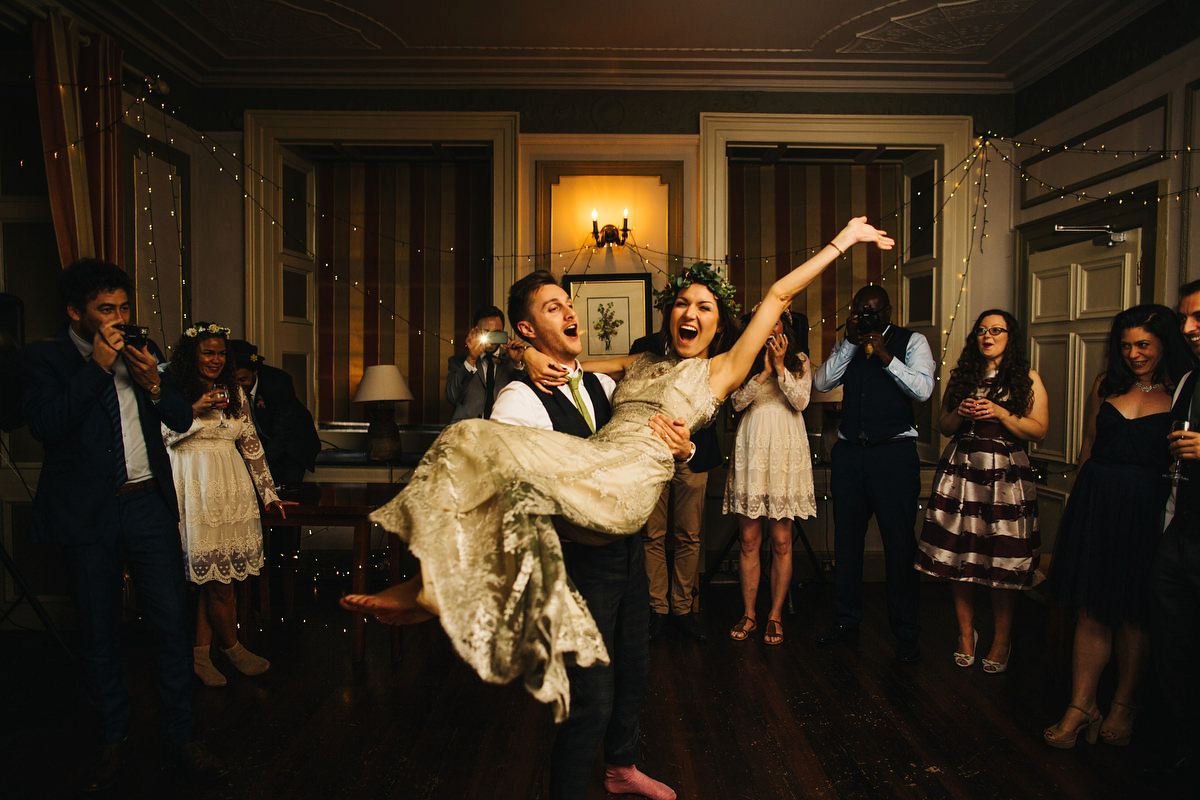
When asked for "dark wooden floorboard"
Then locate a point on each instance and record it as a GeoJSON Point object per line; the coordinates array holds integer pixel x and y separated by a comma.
{"type": "Point", "coordinates": [722, 719]}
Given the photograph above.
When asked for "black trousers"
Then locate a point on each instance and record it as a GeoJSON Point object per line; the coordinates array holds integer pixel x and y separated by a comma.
{"type": "Point", "coordinates": [884, 481]}
{"type": "Point", "coordinates": [144, 537]}
{"type": "Point", "coordinates": [606, 702]}
{"type": "Point", "coordinates": [1175, 625]}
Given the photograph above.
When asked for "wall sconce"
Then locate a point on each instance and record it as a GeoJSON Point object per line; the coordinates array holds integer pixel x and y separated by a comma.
{"type": "Point", "coordinates": [609, 234]}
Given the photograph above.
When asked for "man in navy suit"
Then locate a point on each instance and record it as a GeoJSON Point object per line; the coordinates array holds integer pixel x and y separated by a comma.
{"type": "Point", "coordinates": [107, 498]}
{"type": "Point", "coordinates": [474, 381]}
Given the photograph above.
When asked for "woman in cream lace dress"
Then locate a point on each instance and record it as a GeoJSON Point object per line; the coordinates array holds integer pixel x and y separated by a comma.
{"type": "Point", "coordinates": [218, 464]}
{"type": "Point", "coordinates": [477, 512]}
{"type": "Point", "coordinates": [770, 476]}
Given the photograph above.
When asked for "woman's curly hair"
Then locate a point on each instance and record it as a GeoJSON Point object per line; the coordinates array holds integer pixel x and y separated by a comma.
{"type": "Point", "coordinates": [185, 366]}
{"type": "Point", "coordinates": [1163, 324]}
{"type": "Point", "coordinates": [1013, 388]}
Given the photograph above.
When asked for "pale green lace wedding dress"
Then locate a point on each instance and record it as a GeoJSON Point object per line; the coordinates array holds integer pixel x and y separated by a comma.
{"type": "Point", "coordinates": [477, 513]}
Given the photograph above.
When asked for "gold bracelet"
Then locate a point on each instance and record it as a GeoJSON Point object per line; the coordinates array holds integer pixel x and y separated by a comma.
{"type": "Point", "coordinates": [835, 247]}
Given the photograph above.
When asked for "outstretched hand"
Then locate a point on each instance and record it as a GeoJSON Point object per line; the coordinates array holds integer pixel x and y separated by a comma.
{"type": "Point", "coordinates": [859, 230]}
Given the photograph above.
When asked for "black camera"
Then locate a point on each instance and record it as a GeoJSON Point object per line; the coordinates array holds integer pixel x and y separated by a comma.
{"type": "Point", "coordinates": [867, 320]}
{"type": "Point", "coordinates": [135, 335]}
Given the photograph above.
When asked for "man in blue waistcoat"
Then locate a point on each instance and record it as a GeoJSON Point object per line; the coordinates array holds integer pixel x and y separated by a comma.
{"type": "Point", "coordinates": [883, 370]}
{"type": "Point", "coordinates": [606, 701]}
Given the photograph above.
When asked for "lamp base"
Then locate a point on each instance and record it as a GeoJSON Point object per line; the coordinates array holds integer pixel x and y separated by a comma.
{"type": "Point", "coordinates": [383, 435]}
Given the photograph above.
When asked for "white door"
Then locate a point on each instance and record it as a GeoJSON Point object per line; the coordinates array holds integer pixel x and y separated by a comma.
{"type": "Point", "coordinates": [1074, 292]}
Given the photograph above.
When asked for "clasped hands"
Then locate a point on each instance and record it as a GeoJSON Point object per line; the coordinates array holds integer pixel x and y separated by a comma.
{"type": "Point", "coordinates": [109, 342]}
{"type": "Point", "coordinates": [980, 408]}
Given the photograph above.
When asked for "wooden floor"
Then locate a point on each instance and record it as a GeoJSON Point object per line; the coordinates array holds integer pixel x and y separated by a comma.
{"type": "Point", "coordinates": [722, 719]}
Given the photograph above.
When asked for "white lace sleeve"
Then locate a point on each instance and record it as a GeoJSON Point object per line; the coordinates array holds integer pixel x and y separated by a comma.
{"type": "Point", "coordinates": [744, 395]}
{"type": "Point", "coordinates": [172, 438]}
{"type": "Point", "coordinates": [795, 388]}
{"type": "Point", "coordinates": [253, 453]}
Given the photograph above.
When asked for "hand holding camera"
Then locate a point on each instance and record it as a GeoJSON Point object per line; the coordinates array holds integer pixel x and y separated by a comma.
{"type": "Point", "coordinates": [480, 341]}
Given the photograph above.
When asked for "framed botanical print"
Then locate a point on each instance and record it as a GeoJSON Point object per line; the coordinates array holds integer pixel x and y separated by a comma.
{"type": "Point", "coordinates": [613, 311]}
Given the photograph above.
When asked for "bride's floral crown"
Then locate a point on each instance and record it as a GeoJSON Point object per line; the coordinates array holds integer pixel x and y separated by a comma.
{"type": "Point", "coordinates": [211, 328]}
{"type": "Point", "coordinates": [700, 272]}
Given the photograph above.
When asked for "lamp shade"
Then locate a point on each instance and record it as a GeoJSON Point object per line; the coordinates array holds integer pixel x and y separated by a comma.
{"type": "Point", "coordinates": [382, 382]}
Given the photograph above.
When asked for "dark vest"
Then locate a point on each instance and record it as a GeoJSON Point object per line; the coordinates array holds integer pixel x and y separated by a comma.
{"type": "Point", "coordinates": [1187, 498]}
{"type": "Point", "coordinates": [565, 417]}
{"type": "Point", "coordinates": [873, 406]}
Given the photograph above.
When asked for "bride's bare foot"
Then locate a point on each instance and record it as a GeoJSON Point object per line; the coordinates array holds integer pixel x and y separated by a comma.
{"type": "Point", "coordinates": [395, 605]}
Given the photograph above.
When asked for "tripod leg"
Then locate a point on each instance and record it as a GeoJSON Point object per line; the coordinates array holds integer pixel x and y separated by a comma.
{"type": "Point", "coordinates": [707, 577]}
{"type": "Point", "coordinates": [812, 557]}
{"type": "Point", "coordinates": [25, 592]}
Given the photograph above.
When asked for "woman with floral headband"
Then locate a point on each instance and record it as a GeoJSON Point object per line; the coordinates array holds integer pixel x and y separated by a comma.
{"type": "Point", "coordinates": [477, 511]}
{"type": "Point", "coordinates": [215, 483]}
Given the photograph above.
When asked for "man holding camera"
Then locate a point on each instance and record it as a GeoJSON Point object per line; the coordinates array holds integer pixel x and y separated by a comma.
{"type": "Point", "coordinates": [883, 369]}
{"type": "Point", "coordinates": [96, 401]}
{"type": "Point", "coordinates": [474, 380]}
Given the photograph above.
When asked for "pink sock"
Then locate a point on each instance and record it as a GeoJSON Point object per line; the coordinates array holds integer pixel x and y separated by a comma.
{"type": "Point", "coordinates": [628, 780]}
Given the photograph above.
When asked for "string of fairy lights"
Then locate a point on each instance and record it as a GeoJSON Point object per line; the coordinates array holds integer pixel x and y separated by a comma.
{"type": "Point", "coordinates": [976, 163]}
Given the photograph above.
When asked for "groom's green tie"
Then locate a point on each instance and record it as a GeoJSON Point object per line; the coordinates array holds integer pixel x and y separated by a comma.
{"type": "Point", "coordinates": [574, 382]}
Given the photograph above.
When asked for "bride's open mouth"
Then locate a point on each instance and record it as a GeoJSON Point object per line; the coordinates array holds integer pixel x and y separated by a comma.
{"type": "Point", "coordinates": [687, 333]}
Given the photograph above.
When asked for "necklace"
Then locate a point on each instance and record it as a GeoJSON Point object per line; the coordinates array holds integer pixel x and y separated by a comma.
{"type": "Point", "coordinates": [1146, 388]}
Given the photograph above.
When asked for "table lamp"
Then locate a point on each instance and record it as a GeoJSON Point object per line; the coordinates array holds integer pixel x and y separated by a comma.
{"type": "Point", "coordinates": [382, 385]}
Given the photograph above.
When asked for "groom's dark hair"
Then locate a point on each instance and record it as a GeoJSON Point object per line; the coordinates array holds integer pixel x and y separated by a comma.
{"type": "Point", "coordinates": [521, 293]}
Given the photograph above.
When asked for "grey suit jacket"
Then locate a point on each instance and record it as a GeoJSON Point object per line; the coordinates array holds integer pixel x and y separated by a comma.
{"type": "Point", "coordinates": [465, 390]}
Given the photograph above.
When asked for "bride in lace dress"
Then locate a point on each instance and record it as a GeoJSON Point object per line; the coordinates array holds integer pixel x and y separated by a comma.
{"type": "Point", "coordinates": [218, 464]}
{"type": "Point", "coordinates": [478, 510]}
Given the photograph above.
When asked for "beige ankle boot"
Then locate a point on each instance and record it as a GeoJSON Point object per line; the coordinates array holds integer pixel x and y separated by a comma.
{"type": "Point", "coordinates": [246, 662]}
{"type": "Point", "coordinates": [203, 667]}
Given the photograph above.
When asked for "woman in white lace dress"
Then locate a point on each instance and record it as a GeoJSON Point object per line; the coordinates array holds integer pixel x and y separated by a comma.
{"type": "Point", "coordinates": [770, 477]}
{"type": "Point", "coordinates": [478, 510]}
{"type": "Point", "coordinates": [218, 464]}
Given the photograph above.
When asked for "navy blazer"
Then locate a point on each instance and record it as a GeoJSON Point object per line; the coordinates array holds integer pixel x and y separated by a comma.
{"type": "Point", "coordinates": [284, 425]}
{"type": "Point", "coordinates": [65, 412]}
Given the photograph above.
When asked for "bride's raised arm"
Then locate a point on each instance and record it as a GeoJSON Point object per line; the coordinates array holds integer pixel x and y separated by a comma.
{"type": "Point", "coordinates": [728, 370]}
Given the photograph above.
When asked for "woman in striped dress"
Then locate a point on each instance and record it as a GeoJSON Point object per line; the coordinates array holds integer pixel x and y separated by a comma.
{"type": "Point", "coordinates": [981, 523]}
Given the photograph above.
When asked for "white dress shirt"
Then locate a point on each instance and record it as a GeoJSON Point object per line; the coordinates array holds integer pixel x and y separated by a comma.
{"type": "Point", "coordinates": [137, 462]}
{"type": "Point", "coordinates": [913, 375]}
{"type": "Point", "coordinates": [518, 403]}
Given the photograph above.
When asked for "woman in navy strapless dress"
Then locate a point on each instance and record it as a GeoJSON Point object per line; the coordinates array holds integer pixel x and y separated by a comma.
{"type": "Point", "coordinates": [1110, 528]}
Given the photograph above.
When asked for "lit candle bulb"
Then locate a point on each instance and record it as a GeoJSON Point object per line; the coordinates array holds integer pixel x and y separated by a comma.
{"type": "Point", "coordinates": [595, 227]}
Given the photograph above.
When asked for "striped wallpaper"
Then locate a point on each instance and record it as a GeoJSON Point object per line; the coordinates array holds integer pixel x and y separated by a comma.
{"type": "Point", "coordinates": [410, 246]}
{"type": "Point", "coordinates": [779, 214]}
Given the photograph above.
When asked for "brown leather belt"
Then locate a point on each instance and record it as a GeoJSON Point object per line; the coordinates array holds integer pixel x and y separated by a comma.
{"type": "Point", "coordinates": [137, 486]}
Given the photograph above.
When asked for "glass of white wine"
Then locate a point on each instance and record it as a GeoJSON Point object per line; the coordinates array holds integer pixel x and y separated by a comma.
{"type": "Point", "coordinates": [1176, 476]}
{"type": "Point", "coordinates": [222, 395]}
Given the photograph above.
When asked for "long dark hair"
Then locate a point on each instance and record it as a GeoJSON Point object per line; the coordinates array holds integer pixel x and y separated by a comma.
{"type": "Point", "coordinates": [791, 355]}
{"type": "Point", "coordinates": [185, 369]}
{"type": "Point", "coordinates": [722, 341]}
{"type": "Point", "coordinates": [1013, 388]}
{"type": "Point", "coordinates": [1176, 358]}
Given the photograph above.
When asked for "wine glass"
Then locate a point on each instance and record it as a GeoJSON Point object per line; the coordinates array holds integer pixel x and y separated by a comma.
{"type": "Point", "coordinates": [1176, 476]}
{"type": "Point", "coordinates": [222, 395]}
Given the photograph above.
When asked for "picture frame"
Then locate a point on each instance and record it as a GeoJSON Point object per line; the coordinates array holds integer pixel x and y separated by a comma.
{"type": "Point", "coordinates": [623, 298]}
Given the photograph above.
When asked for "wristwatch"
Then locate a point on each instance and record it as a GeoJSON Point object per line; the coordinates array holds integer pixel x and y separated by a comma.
{"type": "Point", "coordinates": [155, 392]}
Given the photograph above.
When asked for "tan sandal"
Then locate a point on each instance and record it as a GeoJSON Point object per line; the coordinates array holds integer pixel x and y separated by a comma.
{"type": "Point", "coordinates": [774, 632]}
{"type": "Point", "coordinates": [1111, 734]}
{"type": "Point", "coordinates": [1065, 740]}
{"type": "Point", "coordinates": [744, 627]}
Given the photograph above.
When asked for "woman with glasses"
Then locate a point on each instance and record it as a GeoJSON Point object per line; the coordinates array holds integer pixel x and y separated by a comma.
{"type": "Point", "coordinates": [981, 523]}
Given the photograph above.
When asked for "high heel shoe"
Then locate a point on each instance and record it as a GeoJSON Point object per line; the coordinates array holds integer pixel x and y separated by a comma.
{"type": "Point", "coordinates": [1066, 740]}
{"type": "Point", "coordinates": [1118, 737]}
{"type": "Point", "coordinates": [996, 667]}
{"type": "Point", "coordinates": [963, 659]}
